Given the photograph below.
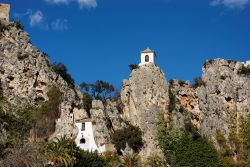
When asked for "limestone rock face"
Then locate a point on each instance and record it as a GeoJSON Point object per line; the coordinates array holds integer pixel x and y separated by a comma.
{"type": "Point", "coordinates": [144, 96]}
{"type": "Point", "coordinates": [26, 76]}
{"type": "Point", "coordinates": [184, 104]}
{"type": "Point", "coordinates": [219, 103]}
{"type": "Point", "coordinates": [106, 119]}
{"type": "Point", "coordinates": [225, 97]}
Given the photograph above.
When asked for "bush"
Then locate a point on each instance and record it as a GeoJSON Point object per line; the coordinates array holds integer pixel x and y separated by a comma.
{"type": "Point", "coordinates": [62, 70]}
{"type": "Point", "coordinates": [16, 24]}
{"type": "Point", "coordinates": [131, 135]}
{"type": "Point", "coordinates": [220, 138]}
{"type": "Point", "coordinates": [208, 62]}
{"type": "Point", "coordinates": [133, 66]}
{"type": "Point", "coordinates": [172, 100]}
{"type": "Point", "coordinates": [47, 114]}
{"type": "Point", "coordinates": [155, 161]}
{"type": "Point", "coordinates": [36, 122]}
{"type": "Point", "coordinates": [90, 159]}
{"type": "Point", "coordinates": [244, 70]}
{"type": "Point", "coordinates": [181, 83]}
{"type": "Point", "coordinates": [198, 82]}
{"type": "Point", "coordinates": [180, 148]}
{"type": "Point", "coordinates": [111, 159]}
{"type": "Point", "coordinates": [131, 160]}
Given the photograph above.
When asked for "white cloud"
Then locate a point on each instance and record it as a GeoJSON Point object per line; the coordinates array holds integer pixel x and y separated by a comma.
{"type": "Point", "coordinates": [58, 1]}
{"type": "Point", "coordinates": [36, 19]}
{"type": "Point", "coordinates": [82, 3]}
{"type": "Point", "coordinates": [233, 4]}
{"type": "Point", "coordinates": [59, 25]}
{"type": "Point", "coordinates": [87, 3]}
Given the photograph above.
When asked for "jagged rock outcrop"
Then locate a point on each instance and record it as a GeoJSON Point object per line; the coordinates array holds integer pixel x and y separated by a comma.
{"type": "Point", "coordinates": [184, 104]}
{"type": "Point", "coordinates": [217, 104]}
{"type": "Point", "coordinates": [225, 96]}
{"type": "Point", "coordinates": [106, 119]}
{"type": "Point", "coordinates": [26, 76]}
{"type": "Point", "coordinates": [144, 96]}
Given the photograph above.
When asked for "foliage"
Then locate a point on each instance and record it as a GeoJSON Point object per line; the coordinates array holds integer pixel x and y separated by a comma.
{"type": "Point", "coordinates": [47, 114]}
{"type": "Point", "coordinates": [208, 62]}
{"type": "Point", "coordinates": [63, 152]}
{"type": "Point", "coordinates": [220, 138]}
{"type": "Point", "coordinates": [181, 83]}
{"type": "Point", "coordinates": [181, 148]}
{"type": "Point", "coordinates": [87, 102]}
{"type": "Point", "coordinates": [131, 160]}
{"type": "Point", "coordinates": [154, 161]}
{"type": "Point", "coordinates": [198, 82]}
{"type": "Point", "coordinates": [133, 66]}
{"type": "Point", "coordinates": [172, 100]}
{"type": "Point", "coordinates": [243, 142]}
{"type": "Point", "coordinates": [40, 121]}
{"type": "Point", "coordinates": [90, 159]}
{"type": "Point", "coordinates": [16, 24]}
{"type": "Point", "coordinates": [244, 70]}
{"type": "Point", "coordinates": [62, 70]}
{"type": "Point", "coordinates": [112, 159]}
{"type": "Point", "coordinates": [100, 90]}
{"type": "Point", "coordinates": [23, 156]}
{"type": "Point", "coordinates": [130, 135]}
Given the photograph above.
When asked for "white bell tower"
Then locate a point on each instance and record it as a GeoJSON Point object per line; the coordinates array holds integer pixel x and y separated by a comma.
{"type": "Point", "coordinates": [147, 56]}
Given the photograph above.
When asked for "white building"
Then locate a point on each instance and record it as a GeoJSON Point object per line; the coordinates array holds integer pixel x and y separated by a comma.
{"type": "Point", "coordinates": [147, 56]}
{"type": "Point", "coordinates": [85, 139]}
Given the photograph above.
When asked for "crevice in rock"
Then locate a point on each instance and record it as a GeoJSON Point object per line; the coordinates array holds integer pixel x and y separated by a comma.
{"type": "Point", "coordinates": [228, 99]}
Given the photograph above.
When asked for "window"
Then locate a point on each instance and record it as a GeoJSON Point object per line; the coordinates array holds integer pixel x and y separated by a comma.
{"type": "Point", "coordinates": [83, 126]}
{"type": "Point", "coordinates": [146, 58]}
{"type": "Point", "coordinates": [82, 141]}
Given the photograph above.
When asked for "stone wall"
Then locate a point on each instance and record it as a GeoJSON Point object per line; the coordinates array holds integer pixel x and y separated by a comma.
{"type": "Point", "coordinates": [4, 12]}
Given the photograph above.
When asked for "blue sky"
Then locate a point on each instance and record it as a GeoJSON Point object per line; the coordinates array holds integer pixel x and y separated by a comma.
{"type": "Point", "coordinates": [98, 39]}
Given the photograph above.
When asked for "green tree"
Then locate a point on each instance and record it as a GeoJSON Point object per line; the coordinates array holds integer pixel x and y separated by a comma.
{"type": "Point", "coordinates": [130, 135]}
{"type": "Point", "coordinates": [99, 90]}
{"type": "Point", "coordinates": [63, 152]}
{"type": "Point", "coordinates": [182, 148]}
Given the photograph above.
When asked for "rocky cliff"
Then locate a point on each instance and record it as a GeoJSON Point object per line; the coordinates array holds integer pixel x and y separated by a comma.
{"type": "Point", "coordinates": [26, 76]}
{"type": "Point", "coordinates": [217, 102]}
{"type": "Point", "coordinates": [145, 96]}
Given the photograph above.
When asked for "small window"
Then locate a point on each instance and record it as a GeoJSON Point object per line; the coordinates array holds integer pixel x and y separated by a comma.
{"type": "Point", "coordinates": [146, 58]}
{"type": "Point", "coordinates": [83, 126]}
{"type": "Point", "coordinates": [82, 141]}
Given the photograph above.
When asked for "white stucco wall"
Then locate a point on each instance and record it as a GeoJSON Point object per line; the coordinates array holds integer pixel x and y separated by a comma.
{"type": "Point", "coordinates": [88, 135]}
{"type": "Point", "coordinates": [151, 58]}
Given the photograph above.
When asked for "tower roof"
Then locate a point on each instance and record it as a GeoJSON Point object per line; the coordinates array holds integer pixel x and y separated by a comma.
{"type": "Point", "coordinates": [148, 50]}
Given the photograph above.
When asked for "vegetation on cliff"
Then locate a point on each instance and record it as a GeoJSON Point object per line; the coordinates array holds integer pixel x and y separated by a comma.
{"type": "Point", "coordinates": [183, 148]}
{"type": "Point", "coordinates": [130, 135]}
